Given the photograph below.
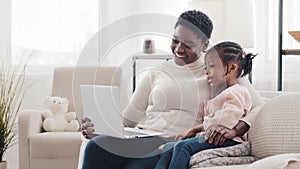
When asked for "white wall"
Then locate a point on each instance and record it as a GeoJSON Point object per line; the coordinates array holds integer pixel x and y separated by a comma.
{"type": "Point", "coordinates": [5, 27]}
{"type": "Point", "coordinates": [114, 10]}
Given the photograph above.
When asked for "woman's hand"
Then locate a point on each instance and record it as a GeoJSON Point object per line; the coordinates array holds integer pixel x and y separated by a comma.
{"type": "Point", "coordinates": [87, 128]}
{"type": "Point", "coordinates": [220, 134]}
{"type": "Point", "coordinates": [190, 133]}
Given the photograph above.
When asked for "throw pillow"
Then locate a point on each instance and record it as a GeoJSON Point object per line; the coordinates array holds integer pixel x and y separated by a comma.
{"type": "Point", "coordinates": [276, 127]}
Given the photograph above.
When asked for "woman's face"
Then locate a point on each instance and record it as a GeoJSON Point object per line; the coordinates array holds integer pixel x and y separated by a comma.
{"type": "Point", "coordinates": [186, 46]}
{"type": "Point", "coordinates": [214, 69]}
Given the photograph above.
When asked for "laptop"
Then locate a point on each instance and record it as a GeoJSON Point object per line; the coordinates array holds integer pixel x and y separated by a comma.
{"type": "Point", "coordinates": [101, 104]}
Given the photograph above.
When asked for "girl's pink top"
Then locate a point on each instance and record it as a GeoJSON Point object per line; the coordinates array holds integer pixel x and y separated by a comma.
{"type": "Point", "coordinates": [227, 108]}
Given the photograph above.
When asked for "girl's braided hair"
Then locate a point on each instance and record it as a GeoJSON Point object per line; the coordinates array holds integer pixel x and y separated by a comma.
{"type": "Point", "coordinates": [233, 52]}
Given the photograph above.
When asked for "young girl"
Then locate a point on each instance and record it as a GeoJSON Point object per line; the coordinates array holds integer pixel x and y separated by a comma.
{"type": "Point", "coordinates": [225, 62]}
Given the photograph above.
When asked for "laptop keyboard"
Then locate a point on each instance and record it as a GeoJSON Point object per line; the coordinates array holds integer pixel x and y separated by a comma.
{"type": "Point", "coordinates": [133, 133]}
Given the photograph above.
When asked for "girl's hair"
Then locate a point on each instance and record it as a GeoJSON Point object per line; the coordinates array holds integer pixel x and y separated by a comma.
{"type": "Point", "coordinates": [233, 52]}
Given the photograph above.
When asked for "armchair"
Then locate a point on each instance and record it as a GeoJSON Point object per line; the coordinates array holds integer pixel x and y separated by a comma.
{"type": "Point", "coordinates": [59, 150]}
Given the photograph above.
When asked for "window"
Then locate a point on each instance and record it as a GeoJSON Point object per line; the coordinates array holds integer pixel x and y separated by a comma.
{"type": "Point", "coordinates": [52, 32]}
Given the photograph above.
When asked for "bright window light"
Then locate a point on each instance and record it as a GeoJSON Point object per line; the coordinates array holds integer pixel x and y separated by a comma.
{"type": "Point", "coordinates": [52, 32]}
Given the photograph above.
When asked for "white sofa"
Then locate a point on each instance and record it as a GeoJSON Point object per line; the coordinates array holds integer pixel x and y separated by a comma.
{"type": "Point", "coordinates": [276, 130]}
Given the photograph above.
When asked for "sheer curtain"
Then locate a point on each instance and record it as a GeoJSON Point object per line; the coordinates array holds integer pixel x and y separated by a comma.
{"type": "Point", "coordinates": [265, 64]}
{"type": "Point", "coordinates": [52, 32]}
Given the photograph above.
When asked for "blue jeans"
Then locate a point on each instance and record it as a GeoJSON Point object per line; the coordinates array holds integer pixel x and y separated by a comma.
{"type": "Point", "coordinates": [176, 155]}
{"type": "Point", "coordinates": [104, 152]}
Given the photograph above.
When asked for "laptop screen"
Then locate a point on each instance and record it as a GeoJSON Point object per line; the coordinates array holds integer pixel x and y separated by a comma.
{"type": "Point", "coordinates": [102, 105]}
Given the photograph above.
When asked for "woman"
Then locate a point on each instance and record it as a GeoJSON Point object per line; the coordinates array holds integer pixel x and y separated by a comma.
{"type": "Point", "coordinates": [170, 100]}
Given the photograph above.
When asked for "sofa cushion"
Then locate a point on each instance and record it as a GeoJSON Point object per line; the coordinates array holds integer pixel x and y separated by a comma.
{"type": "Point", "coordinates": [276, 127]}
{"type": "Point", "coordinates": [55, 145]}
{"type": "Point", "coordinates": [281, 161]}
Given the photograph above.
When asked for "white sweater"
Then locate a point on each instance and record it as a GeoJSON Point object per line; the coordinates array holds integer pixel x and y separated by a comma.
{"type": "Point", "coordinates": [170, 99]}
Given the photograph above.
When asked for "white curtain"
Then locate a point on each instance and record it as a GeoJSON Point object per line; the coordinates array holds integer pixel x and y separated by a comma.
{"type": "Point", "coordinates": [266, 38]}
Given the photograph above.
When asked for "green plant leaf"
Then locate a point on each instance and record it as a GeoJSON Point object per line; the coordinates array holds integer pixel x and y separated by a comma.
{"type": "Point", "coordinates": [12, 91]}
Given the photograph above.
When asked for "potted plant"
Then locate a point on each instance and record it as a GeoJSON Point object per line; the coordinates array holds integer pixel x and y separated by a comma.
{"type": "Point", "coordinates": [12, 90]}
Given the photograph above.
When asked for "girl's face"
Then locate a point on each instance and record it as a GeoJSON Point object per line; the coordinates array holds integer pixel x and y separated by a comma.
{"type": "Point", "coordinates": [214, 69]}
{"type": "Point", "coordinates": [186, 46]}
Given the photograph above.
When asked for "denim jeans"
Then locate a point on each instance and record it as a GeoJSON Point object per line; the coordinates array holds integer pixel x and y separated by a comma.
{"type": "Point", "coordinates": [176, 155]}
{"type": "Point", "coordinates": [104, 152]}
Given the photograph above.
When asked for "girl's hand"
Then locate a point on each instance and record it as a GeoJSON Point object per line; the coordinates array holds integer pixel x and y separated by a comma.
{"type": "Point", "coordinates": [87, 128]}
{"type": "Point", "coordinates": [190, 133]}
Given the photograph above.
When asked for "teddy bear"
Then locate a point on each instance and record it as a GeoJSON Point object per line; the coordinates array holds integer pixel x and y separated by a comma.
{"type": "Point", "coordinates": [56, 115]}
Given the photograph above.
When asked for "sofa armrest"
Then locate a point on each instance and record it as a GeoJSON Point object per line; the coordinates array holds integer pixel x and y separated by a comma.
{"type": "Point", "coordinates": [29, 123]}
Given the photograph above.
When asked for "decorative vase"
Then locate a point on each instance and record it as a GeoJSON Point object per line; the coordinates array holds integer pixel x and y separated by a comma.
{"type": "Point", "coordinates": [149, 46]}
{"type": "Point", "coordinates": [3, 165]}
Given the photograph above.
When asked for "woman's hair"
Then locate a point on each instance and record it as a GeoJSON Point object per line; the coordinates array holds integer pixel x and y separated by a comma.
{"type": "Point", "coordinates": [198, 22]}
{"type": "Point", "coordinates": [233, 52]}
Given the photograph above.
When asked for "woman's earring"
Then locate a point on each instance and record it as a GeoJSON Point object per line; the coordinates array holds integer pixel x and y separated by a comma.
{"type": "Point", "coordinates": [205, 45]}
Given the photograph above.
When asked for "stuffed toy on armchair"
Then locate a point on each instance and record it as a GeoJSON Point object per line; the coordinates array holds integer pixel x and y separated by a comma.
{"type": "Point", "coordinates": [56, 115]}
